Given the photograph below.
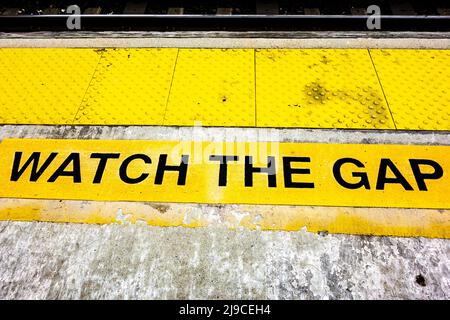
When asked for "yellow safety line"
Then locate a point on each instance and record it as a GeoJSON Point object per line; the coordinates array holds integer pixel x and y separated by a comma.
{"type": "Point", "coordinates": [360, 221]}
{"type": "Point", "coordinates": [336, 188]}
{"type": "Point", "coordinates": [353, 175]}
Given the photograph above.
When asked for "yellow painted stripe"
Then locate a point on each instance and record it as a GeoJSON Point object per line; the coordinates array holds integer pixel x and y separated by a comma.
{"type": "Point", "coordinates": [319, 88]}
{"type": "Point", "coordinates": [362, 221]}
{"type": "Point", "coordinates": [354, 175]}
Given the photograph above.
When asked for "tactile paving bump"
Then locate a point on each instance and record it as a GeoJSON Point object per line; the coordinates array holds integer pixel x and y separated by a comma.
{"type": "Point", "coordinates": [319, 88]}
{"type": "Point", "coordinates": [417, 87]}
{"type": "Point", "coordinates": [213, 87]}
{"type": "Point", "coordinates": [129, 87]}
{"type": "Point", "coordinates": [43, 86]}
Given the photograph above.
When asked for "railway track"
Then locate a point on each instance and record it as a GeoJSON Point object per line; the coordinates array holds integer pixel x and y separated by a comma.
{"type": "Point", "coordinates": [234, 15]}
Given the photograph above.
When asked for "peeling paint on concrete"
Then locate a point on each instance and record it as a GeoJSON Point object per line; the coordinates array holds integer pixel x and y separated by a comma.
{"type": "Point", "coordinates": [429, 223]}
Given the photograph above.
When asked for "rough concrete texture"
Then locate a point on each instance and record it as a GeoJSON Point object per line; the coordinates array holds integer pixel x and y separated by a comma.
{"type": "Point", "coordinates": [56, 261]}
{"type": "Point", "coordinates": [199, 133]}
{"type": "Point", "coordinates": [224, 39]}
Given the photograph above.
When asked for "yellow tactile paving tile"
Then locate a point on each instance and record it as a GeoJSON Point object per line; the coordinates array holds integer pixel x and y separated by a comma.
{"type": "Point", "coordinates": [313, 88]}
{"type": "Point", "coordinates": [129, 87]}
{"type": "Point", "coordinates": [319, 88]}
{"type": "Point", "coordinates": [417, 87]}
{"type": "Point", "coordinates": [213, 87]}
{"type": "Point", "coordinates": [43, 86]}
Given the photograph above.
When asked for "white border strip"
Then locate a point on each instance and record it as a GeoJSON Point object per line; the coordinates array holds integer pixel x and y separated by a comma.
{"type": "Point", "coordinates": [237, 134]}
{"type": "Point", "coordinates": [218, 42]}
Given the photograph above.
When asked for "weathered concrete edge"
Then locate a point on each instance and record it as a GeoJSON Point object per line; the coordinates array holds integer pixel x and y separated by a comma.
{"type": "Point", "coordinates": [212, 41]}
{"type": "Point", "coordinates": [369, 34]}
{"type": "Point", "coordinates": [198, 133]}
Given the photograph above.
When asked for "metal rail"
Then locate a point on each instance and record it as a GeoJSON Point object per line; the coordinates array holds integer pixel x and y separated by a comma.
{"type": "Point", "coordinates": [152, 22]}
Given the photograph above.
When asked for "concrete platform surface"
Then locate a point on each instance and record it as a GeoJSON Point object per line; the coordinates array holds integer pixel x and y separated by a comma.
{"type": "Point", "coordinates": [75, 261]}
{"type": "Point", "coordinates": [149, 250]}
